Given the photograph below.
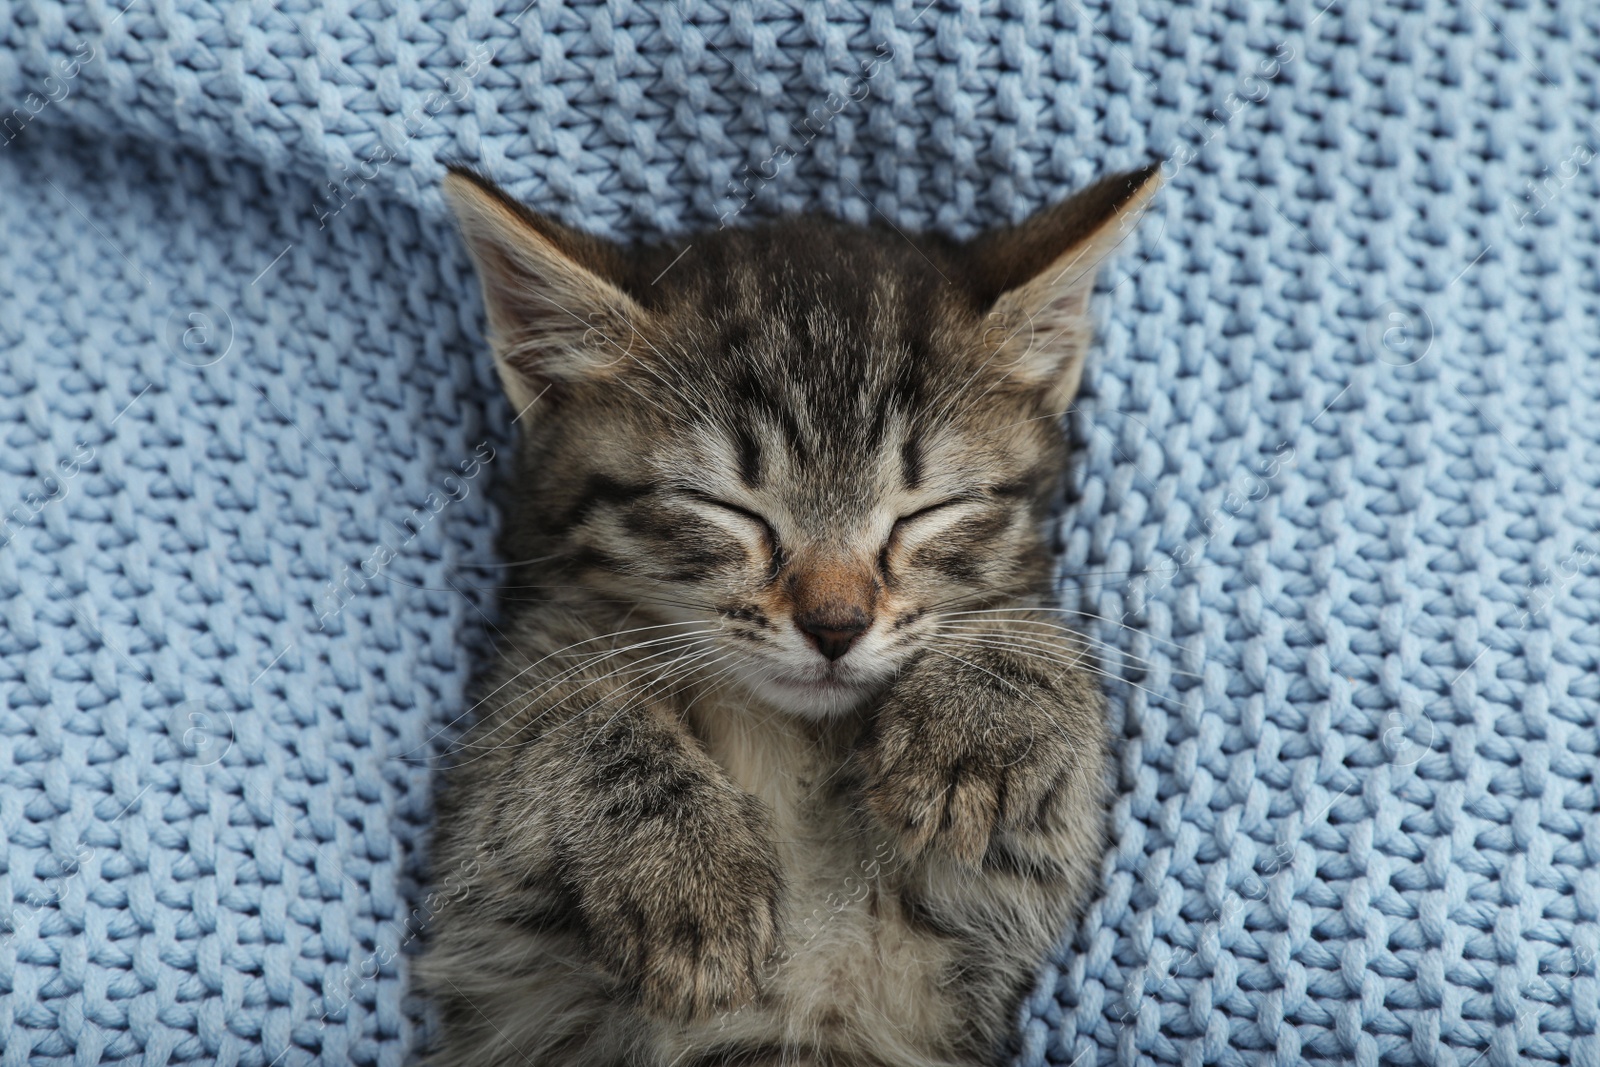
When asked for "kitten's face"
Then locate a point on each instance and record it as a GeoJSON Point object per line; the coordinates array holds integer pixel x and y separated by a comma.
{"type": "Point", "coordinates": [806, 444]}
{"type": "Point", "coordinates": [813, 483]}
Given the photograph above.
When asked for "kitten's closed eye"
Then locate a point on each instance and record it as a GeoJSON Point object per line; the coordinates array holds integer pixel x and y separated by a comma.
{"type": "Point", "coordinates": [748, 514]}
{"type": "Point", "coordinates": [921, 513]}
{"type": "Point", "coordinates": [907, 525]}
{"type": "Point", "coordinates": [931, 525]}
{"type": "Point", "coordinates": [752, 519]}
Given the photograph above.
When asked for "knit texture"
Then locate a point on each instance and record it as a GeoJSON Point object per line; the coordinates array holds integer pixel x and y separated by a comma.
{"type": "Point", "coordinates": [1333, 524]}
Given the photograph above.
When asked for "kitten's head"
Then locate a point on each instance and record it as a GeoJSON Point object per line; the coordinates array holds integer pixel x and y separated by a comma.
{"type": "Point", "coordinates": [804, 443]}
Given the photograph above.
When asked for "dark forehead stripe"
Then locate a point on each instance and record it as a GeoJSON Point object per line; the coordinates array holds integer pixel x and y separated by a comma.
{"type": "Point", "coordinates": [749, 456]}
{"type": "Point", "coordinates": [902, 385]}
{"type": "Point", "coordinates": [911, 461]}
{"type": "Point", "coordinates": [759, 390]}
{"type": "Point", "coordinates": [798, 444]}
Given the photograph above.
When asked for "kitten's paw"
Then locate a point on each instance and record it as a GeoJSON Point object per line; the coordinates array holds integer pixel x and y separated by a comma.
{"type": "Point", "coordinates": [949, 765]}
{"type": "Point", "coordinates": [696, 971]}
{"type": "Point", "coordinates": [952, 805]}
{"type": "Point", "coordinates": [691, 918]}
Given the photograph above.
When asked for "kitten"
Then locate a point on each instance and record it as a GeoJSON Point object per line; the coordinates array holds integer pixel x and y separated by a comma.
{"type": "Point", "coordinates": [784, 761]}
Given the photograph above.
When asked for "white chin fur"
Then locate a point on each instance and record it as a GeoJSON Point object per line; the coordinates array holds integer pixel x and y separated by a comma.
{"type": "Point", "coordinates": [817, 700]}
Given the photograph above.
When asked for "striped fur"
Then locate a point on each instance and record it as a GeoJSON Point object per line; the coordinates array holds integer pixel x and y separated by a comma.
{"type": "Point", "coordinates": [783, 762]}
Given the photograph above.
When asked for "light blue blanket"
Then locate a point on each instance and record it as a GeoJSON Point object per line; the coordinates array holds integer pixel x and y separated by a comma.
{"type": "Point", "coordinates": [1335, 514]}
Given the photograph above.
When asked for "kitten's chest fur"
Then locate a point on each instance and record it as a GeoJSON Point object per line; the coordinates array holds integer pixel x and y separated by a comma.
{"type": "Point", "coordinates": [862, 959]}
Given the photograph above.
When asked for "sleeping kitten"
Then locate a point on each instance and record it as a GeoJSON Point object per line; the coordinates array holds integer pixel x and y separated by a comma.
{"type": "Point", "coordinates": [784, 761]}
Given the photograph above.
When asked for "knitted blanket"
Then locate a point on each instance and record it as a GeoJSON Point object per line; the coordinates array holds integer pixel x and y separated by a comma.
{"type": "Point", "coordinates": [1333, 528]}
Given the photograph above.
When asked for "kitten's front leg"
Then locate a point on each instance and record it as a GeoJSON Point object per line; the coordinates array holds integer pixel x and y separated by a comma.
{"type": "Point", "coordinates": [996, 730]}
{"type": "Point", "coordinates": [669, 862]}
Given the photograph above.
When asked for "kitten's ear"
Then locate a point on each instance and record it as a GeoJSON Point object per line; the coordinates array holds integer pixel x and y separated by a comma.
{"type": "Point", "coordinates": [1035, 280]}
{"type": "Point", "coordinates": [554, 315]}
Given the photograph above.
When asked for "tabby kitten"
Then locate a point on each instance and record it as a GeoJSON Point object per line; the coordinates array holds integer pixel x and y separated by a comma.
{"type": "Point", "coordinates": [784, 762]}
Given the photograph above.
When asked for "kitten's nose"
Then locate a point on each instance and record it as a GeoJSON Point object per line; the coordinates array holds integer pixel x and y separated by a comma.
{"type": "Point", "coordinates": [833, 602]}
{"type": "Point", "coordinates": [834, 635]}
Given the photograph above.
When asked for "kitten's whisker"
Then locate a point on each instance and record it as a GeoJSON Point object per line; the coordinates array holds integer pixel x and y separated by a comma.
{"type": "Point", "coordinates": [643, 665]}
{"type": "Point", "coordinates": [1076, 659]}
{"type": "Point", "coordinates": [636, 663]}
{"type": "Point", "coordinates": [1008, 683]}
{"type": "Point", "coordinates": [1081, 664]}
{"type": "Point", "coordinates": [542, 659]}
{"type": "Point", "coordinates": [603, 653]}
{"type": "Point", "coordinates": [989, 593]}
{"type": "Point", "coordinates": [1113, 649]}
{"type": "Point", "coordinates": [527, 700]}
{"type": "Point", "coordinates": [680, 669]}
{"type": "Point", "coordinates": [646, 690]}
{"type": "Point", "coordinates": [1084, 663]}
{"type": "Point", "coordinates": [673, 644]}
{"type": "Point", "coordinates": [1024, 644]}
{"type": "Point", "coordinates": [590, 592]}
{"type": "Point", "coordinates": [1092, 617]}
{"type": "Point", "coordinates": [634, 602]}
{"type": "Point", "coordinates": [1066, 611]}
{"type": "Point", "coordinates": [728, 673]}
{"type": "Point", "coordinates": [1002, 615]}
{"type": "Point", "coordinates": [692, 669]}
{"type": "Point", "coordinates": [513, 563]}
{"type": "Point", "coordinates": [648, 693]}
{"type": "Point", "coordinates": [1072, 744]}
{"type": "Point", "coordinates": [1043, 640]}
